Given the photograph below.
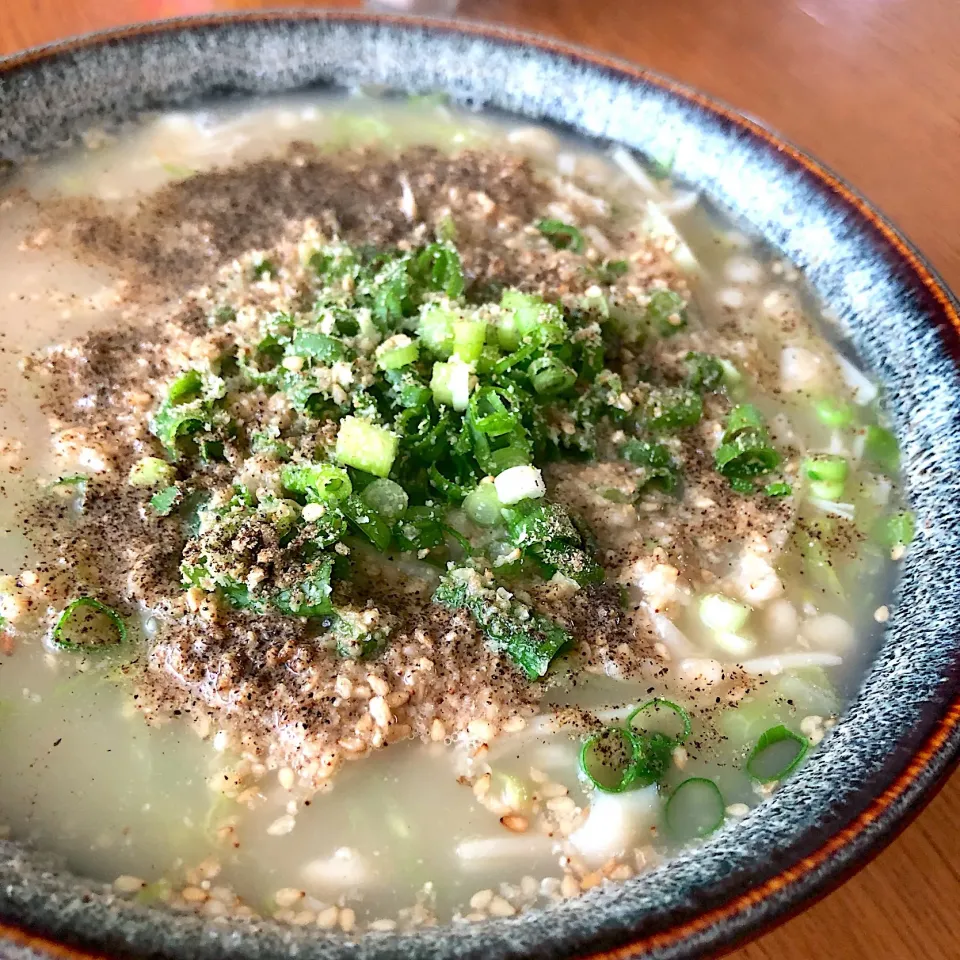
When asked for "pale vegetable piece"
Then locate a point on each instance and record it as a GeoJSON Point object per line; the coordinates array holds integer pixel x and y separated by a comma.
{"type": "Point", "coordinates": [780, 621]}
{"type": "Point", "coordinates": [829, 632]}
{"type": "Point", "coordinates": [519, 483]}
{"type": "Point", "coordinates": [346, 868]}
{"type": "Point", "coordinates": [150, 472]}
{"type": "Point", "coordinates": [774, 665]}
{"type": "Point", "coordinates": [452, 382]}
{"type": "Point", "coordinates": [756, 579]}
{"type": "Point", "coordinates": [615, 823]}
{"type": "Point", "coordinates": [723, 614]}
{"type": "Point", "coordinates": [864, 390]}
{"type": "Point", "coordinates": [513, 846]}
{"type": "Point", "coordinates": [366, 446]}
{"type": "Point", "coordinates": [734, 644]}
{"type": "Point", "coordinates": [701, 670]}
{"type": "Point", "coordinates": [800, 369]}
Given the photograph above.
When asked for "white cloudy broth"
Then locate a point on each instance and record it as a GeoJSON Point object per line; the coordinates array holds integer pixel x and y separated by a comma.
{"type": "Point", "coordinates": [85, 777]}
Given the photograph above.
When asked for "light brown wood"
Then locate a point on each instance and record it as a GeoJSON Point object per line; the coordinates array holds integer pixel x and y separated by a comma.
{"type": "Point", "coordinates": [872, 88]}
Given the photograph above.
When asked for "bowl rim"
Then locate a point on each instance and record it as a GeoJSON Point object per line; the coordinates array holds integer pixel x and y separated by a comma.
{"type": "Point", "coordinates": [849, 849]}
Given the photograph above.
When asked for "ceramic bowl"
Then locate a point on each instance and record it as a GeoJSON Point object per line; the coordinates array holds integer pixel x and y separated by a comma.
{"type": "Point", "coordinates": [900, 733]}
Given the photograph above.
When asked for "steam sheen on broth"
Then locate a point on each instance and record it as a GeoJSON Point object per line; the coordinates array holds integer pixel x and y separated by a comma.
{"type": "Point", "coordinates": [354, 723]}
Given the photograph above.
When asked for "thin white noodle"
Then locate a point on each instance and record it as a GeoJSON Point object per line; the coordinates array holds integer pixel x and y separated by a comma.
{"type": "Point", "coordinates": [503, 848]}
{"type": "Point", "coordinates": [789, 661]}
{"type": "Point", "coordinates": [673, 638]}
{"type": "Point", "coordinates": [845, 510]}
{"type": "Point", "coordinates": [635, 172]}
{"type": "Point", "coordinates": [864, 390]}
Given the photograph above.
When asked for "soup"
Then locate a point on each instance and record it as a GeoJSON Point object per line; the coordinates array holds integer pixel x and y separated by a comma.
{"type": "Point", "coordinates": [412, 516]}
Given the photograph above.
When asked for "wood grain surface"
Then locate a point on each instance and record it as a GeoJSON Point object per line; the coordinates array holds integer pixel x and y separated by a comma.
{"type": "Point", "coordinates": [872, 88]}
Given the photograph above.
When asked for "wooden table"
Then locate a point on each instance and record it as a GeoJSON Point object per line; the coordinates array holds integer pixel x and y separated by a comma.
{"type": "Point", "coordinates": [872, 87]}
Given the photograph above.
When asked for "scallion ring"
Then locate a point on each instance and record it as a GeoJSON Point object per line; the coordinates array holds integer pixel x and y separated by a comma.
{"type": "Point", "coordinates": [778, 752]}
{"type": "Point", "coordinates": [695, 809]}
{"type": "Point", "coordinates": [92, 608]}
{"type": "Point", "coordinates": [654, 706]}
{"type": "Point", "coordinates": [609, 759]}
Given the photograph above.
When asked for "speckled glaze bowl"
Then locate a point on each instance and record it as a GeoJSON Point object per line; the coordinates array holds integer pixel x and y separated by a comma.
{"type": "Point", "coordinates": [898, 737]}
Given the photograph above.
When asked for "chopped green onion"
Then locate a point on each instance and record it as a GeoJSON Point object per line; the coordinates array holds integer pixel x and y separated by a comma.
{"type": "Point", "coordinates": [660, 470]}
{"type": "Point", "coordinates": [150, 472]}
{"type": "Point", "coordinates": [386, 498]}
{"type": "Point", "coordinates": [367, 521]}
{"type": "Point", "coordinates": [317, 346]}
{"type": "Point", "coordinates": [316, 481]}
{"type": "Point", "coordinates": [530, 639]}
{"type": "Point", "coordinates": [826, 468]}
{"type": "Point", "coordinates": [704, 372]}
{"type": "Point", "coordinates": [164, 501]}
{"type": "Point", "coordinates": [309, 597]}
{"type": "Point", "coordinates": [881, 447]}
{"type": "Point", "coordinates": [742, 417]}
{"type": "Point", "coordinates": [666, 312]}
{"type": "Point", "coordinates": [77, 626]}
{"type": "Point", "coordinates": [723, 614]}
{"type": "Point", "coordinates": [452, 383]}
{"type": "Point", "coordinates": [745, 452]}
{"type": "Point", "coordinates": [778, 752]}
{"type": "Point", "coordinates": [436, 329]}
{"type": "Point", "coordinates": [366, 446]}
{"type": "Point", "coordinates": [519, 483]}
{"type": "Point", "coordinates": [834, 413]}
{"type": "Point", "coordinates": [399, 351]}
{"type": "Point", "coordinates": [609, 759]}
{"type": "Point", "coordinates": [695, 809]}
{"type": "Point", "coordinates": [468, 339]}
{"type": "Point", "coordinates": [562, 235]}
{"type": "Point", "coordinates": [550, 376]}
{"type": "Point", "coordinates": [672, 408]}
{"type": "Point", "coordinates": [778, 489]}
{"type": "Point", "coordinates": [900, 529]}
{"type": "Point", "coordinates": [653, 708]}
{"type": "Point", "coordinates": [611, 270]}
{"type": "Point", "coordinates": [482, 505]}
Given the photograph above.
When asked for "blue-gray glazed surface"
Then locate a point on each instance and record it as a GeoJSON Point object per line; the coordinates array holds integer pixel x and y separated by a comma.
{"type": "Point", "coordinates": [894, 322]}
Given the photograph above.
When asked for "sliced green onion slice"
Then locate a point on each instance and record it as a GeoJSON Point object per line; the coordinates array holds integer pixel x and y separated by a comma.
{"type": "Point", "coordinates": [833, 413]}
{"type": "Point", "coordinates": [164, 501]}
{"type": "Point", "coordinates": [387, 498]}
{"type": "Point", "coordinates": [778, 752]}
{"type": "Point", "coordinates": [648, 717]}
{"type": "Point", "coordinates": [80, 626]}
{"type": "Point", "coordinates": [881, 447]}
{"type": "Point", "coordinates": [609, 759]}
{"type": "Point", "coordinates": [482, 505]}
{"type": "Point", "coordinates": [316, 481]}
{"type": "Point", "coordinates": [695, 809]}
{"type": "Point", "coordinates": [826, 468]}
{"type": "Point", "coordinates": [562, 235]}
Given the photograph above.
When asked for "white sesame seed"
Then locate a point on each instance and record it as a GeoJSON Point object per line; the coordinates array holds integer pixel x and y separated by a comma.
{"type": "Point", "coordinates": [481, 899]}
{"type": "Point", "coordinates": [327, 919]}
{"type": "Point", "coordinates": [501, 908]}
{"type": "Point", "coordinates": [286, 777]}
{"type": "Point", "coordinates": [348, 919]}
{"type": "Point", "coordinates": [380, 712]}
{"type": "Point", "coordinates": [281, 826]}
{"type": "Point", "coordinates": [128, 884]}
{"type": "Point", "coordinates": [570, 886]}
{"type": "Point", "coordinates": [737, 810]}
{"type": "Point", "coordinates": [288, 896]}
{"type": "Point", "coordinates": [881, 614]}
